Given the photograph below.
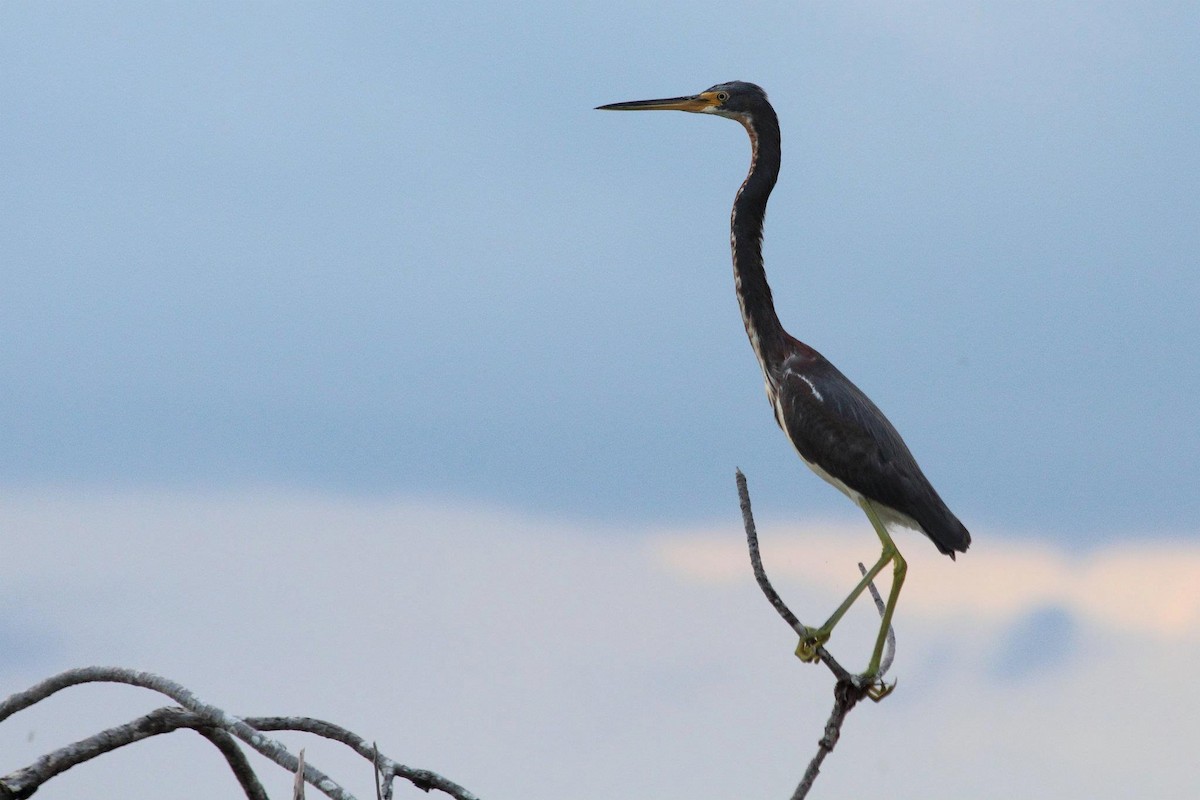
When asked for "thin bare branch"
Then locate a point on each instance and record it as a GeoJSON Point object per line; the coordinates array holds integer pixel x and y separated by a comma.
{"type": "Point", "coordinates": [421, 778]}
{"type": "Point", "coordinates": [846, 696]}
{"type": "Point", "coordinates": [237, 761]}
{"type": "Point", "coordinates": [760, 573]}
{"type": "Point", "coordinates": [889, 647]}
{"type": "Point", "coordinates": [849, 689]}
{"type": "Point", "coordinates": [298, 784]}
{"type": "Point", "coordinates": [764, 583]}
{"type": "Point", "coordinates": [24, 782]}
{"type": "Point", "coordinates": [375, 770]}
{"type": "Point", "coordinates": [212, 715]}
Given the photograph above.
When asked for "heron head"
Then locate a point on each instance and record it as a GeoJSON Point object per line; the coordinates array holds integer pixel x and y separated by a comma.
{"type": "Point", "coordinates": [735, 99]}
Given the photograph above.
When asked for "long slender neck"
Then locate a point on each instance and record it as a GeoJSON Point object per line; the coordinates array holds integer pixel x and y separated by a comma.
{"type": "Point", "coordinates": [767, 336]}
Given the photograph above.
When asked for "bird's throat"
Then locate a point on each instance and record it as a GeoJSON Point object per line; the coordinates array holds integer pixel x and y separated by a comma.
{"type": "Point", "coordinates": [745, 240]}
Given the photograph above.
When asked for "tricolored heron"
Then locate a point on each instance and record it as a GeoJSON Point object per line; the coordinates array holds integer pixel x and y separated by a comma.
{"type": "Point", "coordinates": [836, 429]}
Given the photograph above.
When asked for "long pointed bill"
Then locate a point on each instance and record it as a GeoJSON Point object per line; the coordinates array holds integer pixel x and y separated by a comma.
{"type": "Point", "coordinates": [695, 103]}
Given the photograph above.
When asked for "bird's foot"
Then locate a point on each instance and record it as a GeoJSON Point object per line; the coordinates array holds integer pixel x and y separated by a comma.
{"type": "Point", "coordinates": [876, 688]}
{"type": "Point", "coordinates": [813, 638]}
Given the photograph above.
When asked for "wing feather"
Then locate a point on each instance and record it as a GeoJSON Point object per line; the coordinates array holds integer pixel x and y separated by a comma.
{"type": "Point", "coordinates": [836, 427]}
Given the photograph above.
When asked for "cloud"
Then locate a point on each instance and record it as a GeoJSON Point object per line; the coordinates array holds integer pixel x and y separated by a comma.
{"type": "Point", "coordinates": [1132, 586]}
{"type": "Point", "coordinates": [536, 657]}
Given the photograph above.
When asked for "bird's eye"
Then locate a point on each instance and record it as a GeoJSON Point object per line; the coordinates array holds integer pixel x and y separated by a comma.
{"type": "Point", "coordinates": [722, 96]}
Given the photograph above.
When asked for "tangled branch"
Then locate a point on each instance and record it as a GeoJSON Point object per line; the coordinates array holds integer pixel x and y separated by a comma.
{"type": "Point", "coordinates": [216, 726]}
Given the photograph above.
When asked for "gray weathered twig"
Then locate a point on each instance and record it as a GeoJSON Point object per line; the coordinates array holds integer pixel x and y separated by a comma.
{"type": "Point", "coordinates": [764, 583]}
{"type": "Point", "coordinates": [845, 697]}
{"type": "Point", "coordinates": [298, 783]}
{"type": "Point", "coordinates": [889, 647]}
{"type": "Point", "coordinates": [421, 778]}
{"type": "Point", "coordinates": [375, 770]}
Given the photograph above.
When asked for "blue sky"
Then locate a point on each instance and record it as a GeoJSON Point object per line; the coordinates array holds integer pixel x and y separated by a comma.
{"type": "Point", "coordinates": [392, 250]}
{"type": "Point", "coordinates": [301, 296]}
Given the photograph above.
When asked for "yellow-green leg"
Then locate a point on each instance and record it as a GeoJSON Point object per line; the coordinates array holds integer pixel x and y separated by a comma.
{"type": "Point", "coordinates": [807, 649]}
{"type": "Point", "coordinates": [899, 570]}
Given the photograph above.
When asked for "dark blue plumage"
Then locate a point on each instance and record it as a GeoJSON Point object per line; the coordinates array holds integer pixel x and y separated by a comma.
{"type": "Point", "coordinates": [835, 427]}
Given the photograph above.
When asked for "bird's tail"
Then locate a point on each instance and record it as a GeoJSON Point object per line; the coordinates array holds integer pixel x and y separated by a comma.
{"type": "Point", "coordinates": [945, 531]}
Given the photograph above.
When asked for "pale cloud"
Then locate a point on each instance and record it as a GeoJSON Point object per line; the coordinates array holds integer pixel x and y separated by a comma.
{"type": "Point", "coordinates": [1137, 586]}
{"type": "Point", "coordinates": [533, 657]}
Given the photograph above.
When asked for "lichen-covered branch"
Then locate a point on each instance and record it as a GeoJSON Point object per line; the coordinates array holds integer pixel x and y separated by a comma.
{"type": "Point", "coordinates": [213, 723]}
{"type": "Point", "coordinates": [421, 778]}
{"type": "Point", "coordinates": [24, 782]}
{"type": "Point", "coordinates": [211, 714]}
